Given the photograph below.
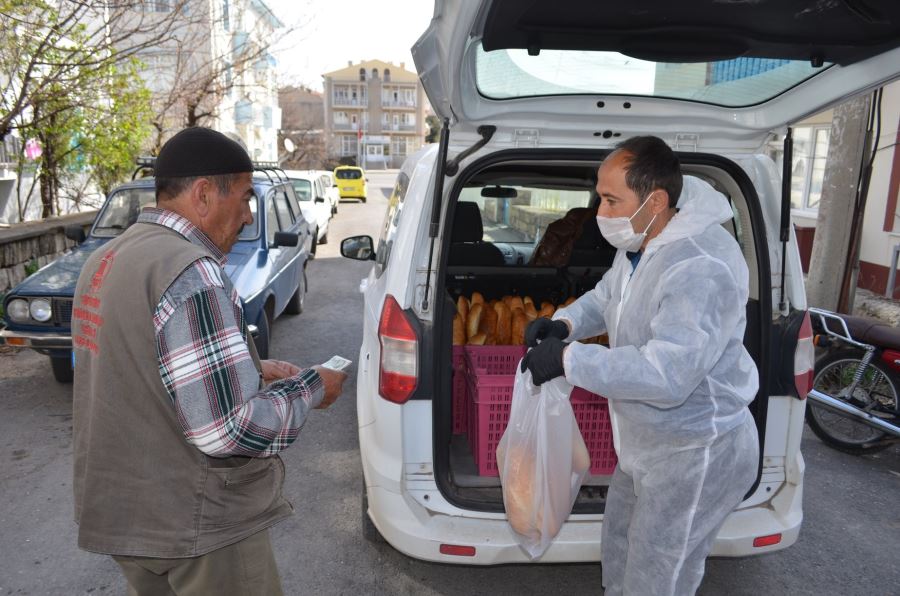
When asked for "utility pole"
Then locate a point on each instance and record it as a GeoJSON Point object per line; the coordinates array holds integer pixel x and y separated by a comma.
{"type": "Point", "coordinates": [835, 221]}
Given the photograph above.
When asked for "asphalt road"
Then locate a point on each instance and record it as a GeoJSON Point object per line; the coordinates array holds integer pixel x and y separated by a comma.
{"type": "Point", "coordinates": [849, 544]}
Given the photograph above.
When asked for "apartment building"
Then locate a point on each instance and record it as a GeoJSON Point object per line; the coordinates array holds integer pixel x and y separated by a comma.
{"type": "Point", "coordinates": [374, 113]}
{"type": "Point", "coordinates": [217, 71]}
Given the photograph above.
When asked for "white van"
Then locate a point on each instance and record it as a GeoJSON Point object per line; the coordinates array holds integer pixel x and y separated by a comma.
{"type": "Point", "coordinates": [535, 96]}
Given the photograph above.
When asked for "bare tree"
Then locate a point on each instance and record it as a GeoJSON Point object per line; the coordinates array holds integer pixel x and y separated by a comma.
{"type": "Point", "coordinates": [57, 46]}
{"type": "Point", "coordinates": [208, 58]}
{"type": "Point", "coordinates": [65, 68]}
{"type": "Point", "coordinates": [302, 123]}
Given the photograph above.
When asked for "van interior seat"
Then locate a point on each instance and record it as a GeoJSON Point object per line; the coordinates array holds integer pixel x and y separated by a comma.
{"type": "Point", "coordinates": [591, 248]}
{"type": "Point", "coordinates": [467, 246]}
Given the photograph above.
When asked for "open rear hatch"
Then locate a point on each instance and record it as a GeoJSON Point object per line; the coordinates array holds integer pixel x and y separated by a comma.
{"type": "Point", "coordinates": [728, 73]}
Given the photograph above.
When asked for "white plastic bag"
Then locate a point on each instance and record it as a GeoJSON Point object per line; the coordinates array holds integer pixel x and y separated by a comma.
{"type": "Point", "coordinates": [542, 460]}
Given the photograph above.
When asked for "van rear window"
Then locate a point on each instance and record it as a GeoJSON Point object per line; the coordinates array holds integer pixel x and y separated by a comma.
{"type": "Point", "coordinates": [348, 174]}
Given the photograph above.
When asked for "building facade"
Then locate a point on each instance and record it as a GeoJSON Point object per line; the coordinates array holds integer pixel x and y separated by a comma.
{"type": "Point", "coordinates": [374, 113]}
{"type": "Point", "coordinates": [216, 71]}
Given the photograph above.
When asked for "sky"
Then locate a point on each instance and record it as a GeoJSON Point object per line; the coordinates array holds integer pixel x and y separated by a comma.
{"type": "Point", "coordinates": [331, 32]}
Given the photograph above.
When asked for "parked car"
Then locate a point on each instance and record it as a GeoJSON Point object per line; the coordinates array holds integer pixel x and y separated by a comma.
{"type": "Point", "coordinates": [534, 97]}
{"type": "Point", "coordinates": [331, 189]}
{"type": "Point", "coordinates": [267, 266]}
{"type": "Point", "coordinates": [351, 182]}
{"type": "Point", "coordinates": [310, 189]}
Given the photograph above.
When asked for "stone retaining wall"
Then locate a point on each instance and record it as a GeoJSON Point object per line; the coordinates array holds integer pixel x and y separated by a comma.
{"type": "Point", "coordinates": [40, 242]}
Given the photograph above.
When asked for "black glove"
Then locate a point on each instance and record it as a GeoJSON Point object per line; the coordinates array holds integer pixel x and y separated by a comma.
{"type": "Point", "coordinates": [545, 361]}
{"type": "Point", "coordinates": [541, 329]}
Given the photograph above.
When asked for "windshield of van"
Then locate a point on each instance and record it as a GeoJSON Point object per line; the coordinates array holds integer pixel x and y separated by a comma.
{"type": "Point", "coordinates": [303, 189]}
{"type": "Point", "coordinates": [512, 73]}
{"type": "Point", "coordinates": [348, 174]}
{"type": "Point", "coordinates": [122, 209]}
{"type": "Point", "coordinates": [524, 217]}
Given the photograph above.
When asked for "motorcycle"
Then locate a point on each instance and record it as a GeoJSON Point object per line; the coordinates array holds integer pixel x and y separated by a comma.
{"type": "Point", "coordinates": [854, 405]}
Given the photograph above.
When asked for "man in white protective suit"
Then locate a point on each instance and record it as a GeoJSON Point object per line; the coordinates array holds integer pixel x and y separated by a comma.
{"type": "Point", "coordinates": [676, 374]}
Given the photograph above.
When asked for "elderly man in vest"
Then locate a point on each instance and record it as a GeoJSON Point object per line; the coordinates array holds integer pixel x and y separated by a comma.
{"type": "Point", "coordinates": [177, 422]}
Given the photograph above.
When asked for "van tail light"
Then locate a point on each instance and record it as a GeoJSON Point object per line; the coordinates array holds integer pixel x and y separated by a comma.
{"type": "Point", "coordinates": [770, 540]}
{"type": "Point", "coordinates": [399, 369]}
{"type": "Point", "coordinates": [804, 359]}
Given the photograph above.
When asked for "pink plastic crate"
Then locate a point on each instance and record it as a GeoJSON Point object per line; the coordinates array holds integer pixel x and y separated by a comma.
{"type": "Point", "coordinates": [460, 407]}
{"type": "Point", "coordinates": [592, 415]}
{"type": "Point", "coordinates": [491, 375]}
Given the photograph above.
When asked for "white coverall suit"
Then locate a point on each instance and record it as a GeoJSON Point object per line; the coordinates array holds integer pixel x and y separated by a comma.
{"type": "Point", "coordinates": [678, 380]}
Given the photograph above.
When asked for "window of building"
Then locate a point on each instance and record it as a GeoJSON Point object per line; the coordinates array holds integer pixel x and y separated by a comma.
{"type": "Point", "coordinates": [808, 165]}
{"type": "Point", "coordinates": [348, 145]}
{"type": "Point", "coordinates": [340, 117]}
{"type": "Point", "coordinates": [374, 73]}
{"type": "Point", "coordinates": [229, 79]}
{"type": "Point", "coordinates": [387, 75]}
{"type": "Point", "coordinates": [226, 17]}
{"type": "Point", "coordinates": [399, 145]}
{"type": "Point", "coordinates": [158, 6]}
{"type": "Point", "coordinates": [362, 74]}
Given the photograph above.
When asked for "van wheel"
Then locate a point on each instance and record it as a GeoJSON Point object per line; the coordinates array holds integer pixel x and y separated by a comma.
{"type": "Point", "coordinates": [324, 239]}
{"type": "Point", "coordinates": [369, 531]}
{"type": "Point", "coordinates": [314, 244]}
{"type": "Point", "coordinates": [62, 368]}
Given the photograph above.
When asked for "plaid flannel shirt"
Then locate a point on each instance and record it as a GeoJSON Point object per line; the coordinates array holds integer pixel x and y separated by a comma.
{"type": "Point", "coordinates": [206, 366]}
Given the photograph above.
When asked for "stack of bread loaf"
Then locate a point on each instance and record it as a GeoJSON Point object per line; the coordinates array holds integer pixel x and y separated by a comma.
{"type": "Point", "coordinates": [480, 322]}
{"type": "Point", "coordinates": [496, 322]}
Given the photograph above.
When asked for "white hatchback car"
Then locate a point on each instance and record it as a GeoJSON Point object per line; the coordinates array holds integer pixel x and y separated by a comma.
{"type": "Point", "coordinates": [331, 189]}
{"type": "Point", "coordinates": [314, 202]}
{"type": "Point", "coordinates": [534, 96]}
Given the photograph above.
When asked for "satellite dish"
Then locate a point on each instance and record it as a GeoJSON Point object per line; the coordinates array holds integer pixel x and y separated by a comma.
{"type": "Point", "coordinates": [289, 145]}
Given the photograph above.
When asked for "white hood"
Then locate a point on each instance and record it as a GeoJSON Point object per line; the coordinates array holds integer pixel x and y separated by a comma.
{"type": "Point", "coordinates": [699, 207]}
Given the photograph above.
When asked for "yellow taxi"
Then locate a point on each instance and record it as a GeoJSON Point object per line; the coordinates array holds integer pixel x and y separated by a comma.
{"type": "Point", "coordinates": [351, 182]}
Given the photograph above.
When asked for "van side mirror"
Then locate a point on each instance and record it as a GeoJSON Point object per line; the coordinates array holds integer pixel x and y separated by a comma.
{"type": "Point", "coordinates": [320, 199]}
{"type": "Point", "coordinates": [75, 232]}
{"type": "Point", "coordinates": [286, 239]}
{"type": "Point", "coordinates": [358, 248]}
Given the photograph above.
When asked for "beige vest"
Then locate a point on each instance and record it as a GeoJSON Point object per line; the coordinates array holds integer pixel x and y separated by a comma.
{"type": "Point", "coordinates": [140, 488]}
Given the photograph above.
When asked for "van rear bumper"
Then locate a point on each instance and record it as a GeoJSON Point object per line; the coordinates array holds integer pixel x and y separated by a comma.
{"type": "Point", "coordinates": [419, 532]}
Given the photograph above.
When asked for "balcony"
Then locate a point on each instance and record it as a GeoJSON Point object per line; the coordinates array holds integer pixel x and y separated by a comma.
{"type": "Point", "coordinates": [346, 126]}
{"type": "Point", "coordinates": [399, 103]}
{"type": "Point", "coordinates": [399, 127]}
{"type": "Point", "coordinates": [346, 102]}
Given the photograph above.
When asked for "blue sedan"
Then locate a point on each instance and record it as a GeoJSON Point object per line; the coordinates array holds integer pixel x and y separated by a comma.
{"type": "Point", "coordinates": [267, 267]}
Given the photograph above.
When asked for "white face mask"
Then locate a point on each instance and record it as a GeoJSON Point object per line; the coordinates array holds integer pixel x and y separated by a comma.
{"type": "Point", "coordinates": [619, 232]}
